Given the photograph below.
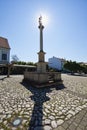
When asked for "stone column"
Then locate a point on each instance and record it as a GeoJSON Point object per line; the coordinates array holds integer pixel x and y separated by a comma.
{"type": "Point", "coordinates": [41, 65]}
{"type": "Point", "coordinates": [41, 27]}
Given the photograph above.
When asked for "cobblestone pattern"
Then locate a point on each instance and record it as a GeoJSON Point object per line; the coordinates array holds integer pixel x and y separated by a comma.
{"type": "Point", "coordinates": [77, 122]}
{"type": "Point", "coordinates": [76, 84]}
{"type": "Point", "coordinates": [46, 108]}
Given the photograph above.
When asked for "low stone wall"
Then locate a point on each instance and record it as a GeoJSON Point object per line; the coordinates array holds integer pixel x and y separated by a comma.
{"type": "Point", "coordinates": [42, 77]}
{"type": "Point", "coordinates": [57, 76]}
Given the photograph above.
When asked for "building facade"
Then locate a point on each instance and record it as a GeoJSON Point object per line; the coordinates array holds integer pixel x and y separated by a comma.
{"type": "Point", "coordinates": [56, 63]}
{"type": "Point", "coordinates": [4, 51]}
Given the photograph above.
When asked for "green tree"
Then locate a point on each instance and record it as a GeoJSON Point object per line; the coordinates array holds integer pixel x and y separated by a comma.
{"type": "Point", "coordinates": [73, 66]}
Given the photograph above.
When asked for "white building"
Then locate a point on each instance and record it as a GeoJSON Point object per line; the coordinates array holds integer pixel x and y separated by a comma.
{"type": "Point", "coordinates": [56, 63]}
{"type": "Point", "coordinates": [4, 51]}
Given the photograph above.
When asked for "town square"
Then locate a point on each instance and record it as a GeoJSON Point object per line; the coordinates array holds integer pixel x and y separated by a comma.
{"type": "Point", "coordinates": [63, 107]}
{"type": "Point", "coordinates": [43, 65]}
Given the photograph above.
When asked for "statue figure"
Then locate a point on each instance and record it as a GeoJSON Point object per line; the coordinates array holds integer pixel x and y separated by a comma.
{"type": "Point", "coordinates": [40, 20]}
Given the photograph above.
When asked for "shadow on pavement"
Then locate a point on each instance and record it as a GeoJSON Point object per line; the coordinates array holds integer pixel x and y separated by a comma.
{"type": "Point", "coordinates": [39, 97]}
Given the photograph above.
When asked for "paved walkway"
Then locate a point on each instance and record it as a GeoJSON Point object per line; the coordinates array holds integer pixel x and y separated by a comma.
{"type": "Point", "coordinates": [77, 122]}
{"type": "Point", "coordinates": [62, 107]}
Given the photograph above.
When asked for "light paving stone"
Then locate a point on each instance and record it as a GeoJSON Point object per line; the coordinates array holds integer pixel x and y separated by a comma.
{"type": "Point", "coordinates": [69, 116]}
{"type": "Point", "coordinates": [24, 121]}
{"type": "Point", "coordinates": [59, 122]}
{"type": "Point", "coordinates": [54, 124]}
{"type": "Point", "coordinates": [3, 116]}
{"type": "Point", "coordinates": [71, 112]}
{"type": "Point", "coordinates": [51, 117]}
{"type": "Point", "coordinates": [21, 127]}
{"type": "Point", "coordinates": [26, 116]}
{"type": "Point", "coordinates": [60, 108]}
{"type": "Point", "coordinates": [63, 111]}
{"type": "Point", "coordinates": [8, 116]}
{"type": "Point", "coordinates": [48, 107]}
{"type": "Point", "coordinates": [62, 117]}
{"type": "Point", "coordinates": [13, 128]}
{"type": "Point", "coordinates": [78, 108]}
{"type": "Point", "coordinates": [5, 122]}
{"type": "Point", "coordinates": [47, 111]}
{"type": "Point", "coordinates": [45, 114]}
{"type": "Point", "coordinates": [85, 105]}
{"type": "Point", "coordinates": [19, 109]}
{"type": "Point", "coordinates": [47, 121]}
{"type": "Point", "coordinates": [21, 112]}
{"type": "Point", "coordinates": [26, 113]}
{"type": "Point", "coordinates": [76, 111]}
{"type": "Point", "coordinates": [44, 117]}
{"type": "Point", "coordinates": [16, 111]}
{"type": "Point", "coordinates": [59, 113]}
{"type": "Point", "coordinates": [47, 127]}
{"type": "Point", "coordinates": [9, 112]}
{"type": "Point", "coordinates": [53, 114]}
{"type": "Point", "coordinates": [27, 105]}
{"type": "Point", "coordinates": [55, 111]}
{"type": "Point", "coordinates": [29, 108]}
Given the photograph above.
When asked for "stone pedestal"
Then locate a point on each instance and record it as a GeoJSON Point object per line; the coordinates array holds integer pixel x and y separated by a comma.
{"type": "Point", "coordinates": [37, 78]}
{"type": "Point", "coordinates": [41, 65]}
{"type": "Point", "coordinates": [42, 79]}
{"type": "Point", "coordinates": [41, 56]}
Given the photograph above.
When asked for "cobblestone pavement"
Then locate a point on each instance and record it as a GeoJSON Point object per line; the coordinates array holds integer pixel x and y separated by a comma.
{"type": "Point", "coordinates": [62, 107]}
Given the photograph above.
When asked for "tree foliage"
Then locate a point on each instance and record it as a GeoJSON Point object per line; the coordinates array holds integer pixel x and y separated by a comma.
{"type": "Point", "coordinates": [25, 63]}
{"type": "Point", "coordinates": [75, 67]}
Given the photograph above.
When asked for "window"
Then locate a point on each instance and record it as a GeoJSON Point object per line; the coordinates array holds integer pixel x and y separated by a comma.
{"type": "Point", "coordinates": [4, 56]}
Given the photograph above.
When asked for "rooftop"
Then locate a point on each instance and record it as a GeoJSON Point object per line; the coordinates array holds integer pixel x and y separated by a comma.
{"type": "Point", "coordinates": [4, 43]}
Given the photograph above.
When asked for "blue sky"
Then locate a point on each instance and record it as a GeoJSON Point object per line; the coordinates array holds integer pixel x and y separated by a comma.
{"type": "Point", "coordinates": [65, 36]}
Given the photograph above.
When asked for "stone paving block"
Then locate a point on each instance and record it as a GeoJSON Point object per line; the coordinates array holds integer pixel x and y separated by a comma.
{"type": "Point", "coordinates": [47, 127]}
{"type": "Point", "coordinates": [69, 122]}
{"type": "Point", "coordinates": [83, 123]}
{"type": "Point", "coordinates": [60, 121]}
{"type": "Point", "coordinates": [65, 125]}
{"type": "Point", "coordinates": [59, 128]}
{"type": "Point", "coordinates": [72, 127]}
{"type": "Point", "coordinates": [77, 120]}
{"type": "Point", "coordinates": [81, 127]}
{"type": "Point", "coordinates": [86, 115]}
{"type": "Point", "coordinates": [78, 128]}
